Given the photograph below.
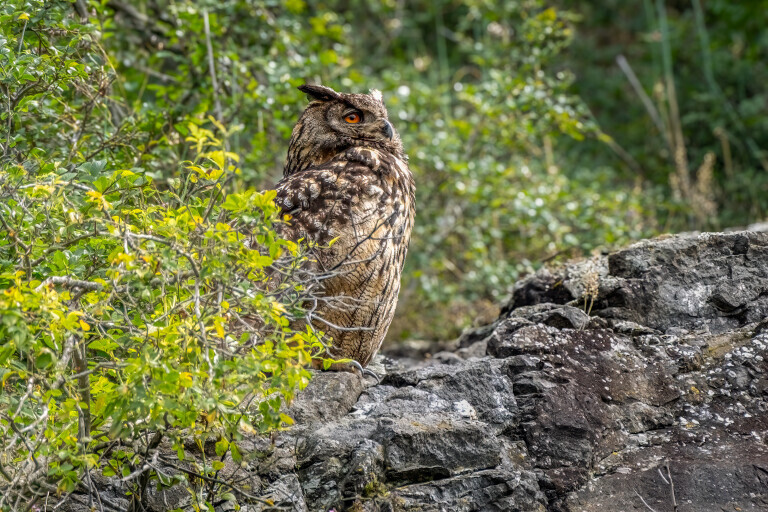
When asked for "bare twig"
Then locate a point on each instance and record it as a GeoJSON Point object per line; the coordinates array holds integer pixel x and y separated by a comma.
{"type": "Point", "coordinates": [197, 474]}
{"type": "Point", "coordinates": [21, 39]}
{"type": "Point", "coordinates": [672, 488]}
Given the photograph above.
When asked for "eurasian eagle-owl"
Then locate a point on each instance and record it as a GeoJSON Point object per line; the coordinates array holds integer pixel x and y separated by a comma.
{"type": "Point", "coordinates": [346, 177]}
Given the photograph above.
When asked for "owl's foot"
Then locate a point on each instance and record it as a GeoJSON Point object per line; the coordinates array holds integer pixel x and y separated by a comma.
{"type": "Point", "coordinates": [349, 365]}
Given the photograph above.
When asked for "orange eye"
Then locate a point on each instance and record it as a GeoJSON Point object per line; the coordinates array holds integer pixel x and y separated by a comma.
{"type": "Point", "coordinates": [353, 118]}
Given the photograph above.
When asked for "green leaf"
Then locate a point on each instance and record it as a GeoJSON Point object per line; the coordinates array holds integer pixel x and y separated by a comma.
{"type": "Point", "coordinates": [221, 446]}
{"type": "Point", "coordinates": [92, 169]}
{"type": "Point", "coordinates": [103, 344]}
{"type": "Point", "coordinates": [101, 183]}
{"type": "Point", "coordinates": [235, 451]}
{"type": "Point", "coordinates": [43, 360]}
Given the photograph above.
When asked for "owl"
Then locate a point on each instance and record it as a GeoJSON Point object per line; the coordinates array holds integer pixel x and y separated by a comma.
{"type": "Point", "coordinates": [347, 186]}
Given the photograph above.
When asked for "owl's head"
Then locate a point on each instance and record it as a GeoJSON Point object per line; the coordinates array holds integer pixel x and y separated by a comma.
{"type": "Point", "coordinates": [334, 122]}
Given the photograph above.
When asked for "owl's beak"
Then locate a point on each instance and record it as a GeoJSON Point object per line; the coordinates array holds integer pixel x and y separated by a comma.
{"type": "Point", "coordinates": [388, 130]}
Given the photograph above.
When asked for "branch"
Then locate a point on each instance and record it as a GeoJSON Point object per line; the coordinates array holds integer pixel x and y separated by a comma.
{"type": "Point", "coordinates": [214, 480]}
{"type": "Point", "coordinates": [644, 502]}
{"type": "Point", "coordinates": [170, 244]}
{"type": "Point", "coordinates": [70, 283]}
{"type": "Point", "coordinates": [672, 488]}
{"type": "Point", "coordinates": [63, 245]}
{"type": "Point", "coordinates": [638, 87]}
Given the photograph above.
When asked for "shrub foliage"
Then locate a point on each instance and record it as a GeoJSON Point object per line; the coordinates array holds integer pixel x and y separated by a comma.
{"type": "Point", "coordinates": [131, 311]}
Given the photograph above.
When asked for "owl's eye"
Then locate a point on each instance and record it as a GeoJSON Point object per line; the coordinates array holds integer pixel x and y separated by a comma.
{"type": "Point", "coordinates": [353, 117]}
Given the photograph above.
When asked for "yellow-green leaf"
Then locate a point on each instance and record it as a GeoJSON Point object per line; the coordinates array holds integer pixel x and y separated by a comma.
{"type": "Point", "coordinates": [221, 447]}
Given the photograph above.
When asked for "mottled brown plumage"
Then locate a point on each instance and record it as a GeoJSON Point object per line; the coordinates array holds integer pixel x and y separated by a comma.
{"type": "Point", "coordinates": [346, 178]}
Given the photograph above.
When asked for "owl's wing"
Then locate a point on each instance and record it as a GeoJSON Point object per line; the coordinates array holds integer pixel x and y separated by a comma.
{"type": "Point", "coordinates": [314, 204]}
{"type": "Point", "coordinates": [335, 198]}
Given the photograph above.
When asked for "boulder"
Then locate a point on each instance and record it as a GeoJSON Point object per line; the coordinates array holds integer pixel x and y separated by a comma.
{"type": "Point", "coordinates": [634, 381]}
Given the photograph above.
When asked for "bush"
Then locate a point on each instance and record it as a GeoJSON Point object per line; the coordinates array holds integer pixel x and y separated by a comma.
{"type": "Point", "coordinates": [131, 311]}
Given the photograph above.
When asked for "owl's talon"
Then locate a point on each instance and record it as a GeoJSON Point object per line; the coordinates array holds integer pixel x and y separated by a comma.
{"type": "Point", "coordinates": [364, 371]}
{"type": "Point", "coordinates": [371, 373]}
{"type": "Point", "coordinates": [358, 366]}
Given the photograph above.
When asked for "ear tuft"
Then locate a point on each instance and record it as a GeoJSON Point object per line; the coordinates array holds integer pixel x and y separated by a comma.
{"type": "Point", "coordinates": [318, 92]}
{"type": "Point", "coordinates": [377, 95]}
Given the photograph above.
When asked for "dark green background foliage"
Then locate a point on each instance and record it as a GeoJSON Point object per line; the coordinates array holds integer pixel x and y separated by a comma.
{"type": "Point", "coordinates": [717, 52]}
{"type": "Point", "coordinates": [475, 89]}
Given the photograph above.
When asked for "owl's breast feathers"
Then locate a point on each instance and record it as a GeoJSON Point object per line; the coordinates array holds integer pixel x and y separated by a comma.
{"type": "Point", "coordinates": [363, 201]}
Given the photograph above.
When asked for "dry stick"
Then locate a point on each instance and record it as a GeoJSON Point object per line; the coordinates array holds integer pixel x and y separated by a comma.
{"type": "Point", "coordinates": [722, 135]}
{"type": "Point", "coordinates": [640, 91]}
{"type": "Point", "coordinates": [211, 68]}
{"type": "Point", "coordinates": [644, 503]}
{"type": "Point", "coordinates": [672, 488]}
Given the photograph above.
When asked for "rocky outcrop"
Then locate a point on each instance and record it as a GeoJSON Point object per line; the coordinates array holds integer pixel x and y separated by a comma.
{"type": "Point", "coordinates": [634, 381]}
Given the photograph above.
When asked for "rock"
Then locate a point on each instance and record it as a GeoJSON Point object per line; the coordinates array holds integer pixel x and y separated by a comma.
{"type": "Point", "coordinates": [329, 396]}
{"type": "Point", "coordinates": [550, 408]}
{"type": "Point", "coordinates": [475, 334]}
{"type": "Point", "coordinates": [168, 498]}
{"type": "Point", "coordinates": [554, 315]}
{"type": "Point", "coordinates": [497, 489]}
{"type": "Point", "coordinates": [285, 493]}
{"type": "Point", "coordinates": [543, 286]}
{"type": "Point", "coordinates": [414, 352]}
{"type": "Point", "coordinates": [710, 281]}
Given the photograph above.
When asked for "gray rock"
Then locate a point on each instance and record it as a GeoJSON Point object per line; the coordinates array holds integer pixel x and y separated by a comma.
{"type": "Point", "coordinates": [554, 315]}
{"type": "Point", "coordinates": [328, 396]}
{"type": "Point", "coordinates": [710, 280]}
{"type": "Point", "coordinates": [543, 286]}
{"type": "Point", "coordinates": [549, 409]}
{"type": "Point", "coordinates": [497, 489]}
{"type": "Point", "coordinates": [285, 493]}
